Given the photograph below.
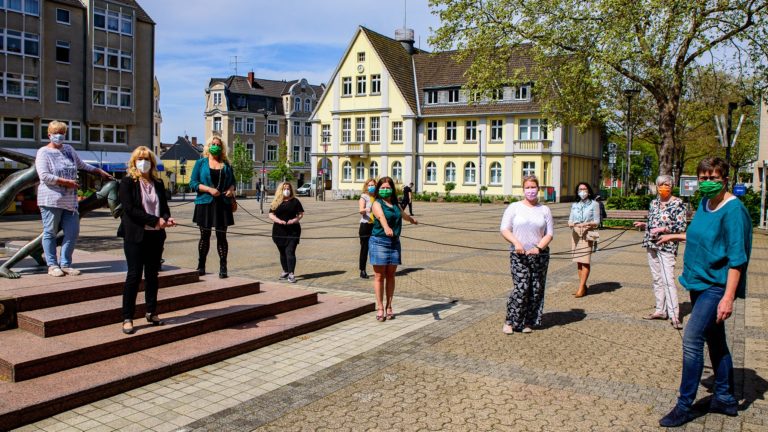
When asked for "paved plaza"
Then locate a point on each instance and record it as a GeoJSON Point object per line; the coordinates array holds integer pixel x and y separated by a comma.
{"type": "Point", "coordinates": [443, 364]}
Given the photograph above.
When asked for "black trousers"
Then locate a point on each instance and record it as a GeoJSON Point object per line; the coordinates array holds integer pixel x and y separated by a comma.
{"type": "Point", "coordinates": [365, 233]}
{"type": "Point", "coordinates": [408, 204]}
{"type": "Point", "coordinates": [144, 258]}
{"type": "Point", "coordinates": [287, 248]}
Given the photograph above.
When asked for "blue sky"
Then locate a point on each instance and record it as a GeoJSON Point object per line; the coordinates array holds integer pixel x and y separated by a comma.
{"type": "Point", "coordinates": [286, 39]}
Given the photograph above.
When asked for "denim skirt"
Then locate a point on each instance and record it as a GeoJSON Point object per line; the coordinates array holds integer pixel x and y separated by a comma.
{"type": "Point", "coordinates": [384, 250]}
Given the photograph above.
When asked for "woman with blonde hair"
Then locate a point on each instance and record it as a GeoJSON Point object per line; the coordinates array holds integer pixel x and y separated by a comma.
{"type": "Point", "coordinates": [142, 227]}
{"type": "Point", "coordinates": [214, 181]}
{"type": "Point", "coordinates": [366, 222]}
{"type": "Point", "coordinates": [286, 211]}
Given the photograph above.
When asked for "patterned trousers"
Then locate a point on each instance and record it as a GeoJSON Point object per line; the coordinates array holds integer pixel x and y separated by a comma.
{"type": "Point", "coordinates": [526, 301]}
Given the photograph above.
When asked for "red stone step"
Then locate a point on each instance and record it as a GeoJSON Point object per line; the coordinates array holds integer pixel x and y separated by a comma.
{"type": "Point", "coordinates": [39, 398]}
{"type": "Point", "coordinates": [24, 356]}
{"type": "Point", "coordinates": [68, 290]}
{"type": "Point", "coordinates": [70, 318]}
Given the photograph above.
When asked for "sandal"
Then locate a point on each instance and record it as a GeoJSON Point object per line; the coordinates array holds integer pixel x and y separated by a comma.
{"type": "Point", "coordinates": [656, 316]}
{"type": "Point", "coordinates": [380, 316]}
{"type": "Point", "coordinates": [128, 330]}
{"type": "Point", "coordinates": [153, 319]}
{"type": "Point", "coordinates": [390, 313]}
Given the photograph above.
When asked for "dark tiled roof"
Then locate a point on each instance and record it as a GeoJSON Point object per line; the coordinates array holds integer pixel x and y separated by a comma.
{"type": "Point", "coordinates": [441, 70]}
{"type": "Point", "coordinates": [74, 3]}
{"type": "Point", "coordinates": [141, 14]}
{"type": "Point", "coordinates": [397, 61]}
{"type": "Point", "coordinates": [256, 96]}
{"type": "Point", "coordinates": [181, 149]}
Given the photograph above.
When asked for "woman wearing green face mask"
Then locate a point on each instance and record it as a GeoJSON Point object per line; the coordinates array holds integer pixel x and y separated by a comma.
{"type": "Point", "coordinates": [718, 246]}
{"type": "Point", "coordinates": [384, 244]}
{"type": "Point", "coordinates": [214, 181]}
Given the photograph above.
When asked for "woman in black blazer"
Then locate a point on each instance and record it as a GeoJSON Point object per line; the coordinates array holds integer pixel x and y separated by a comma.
{"type": "Point", "coordinates": [144, 219]}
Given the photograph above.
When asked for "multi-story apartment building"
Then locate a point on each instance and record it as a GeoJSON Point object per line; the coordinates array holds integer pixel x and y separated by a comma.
{"type": "Point", "coordinates": [264, 114]}
{"type": "Point", "coordinates": [87, 63]}
{"type": "Point", "coordinates": [391, 109]}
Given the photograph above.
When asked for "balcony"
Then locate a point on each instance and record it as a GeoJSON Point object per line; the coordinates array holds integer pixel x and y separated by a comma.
{"type": "Point", "coordinates": [532, 146]}
{"type": "Point", "coordinates": [357, 149]}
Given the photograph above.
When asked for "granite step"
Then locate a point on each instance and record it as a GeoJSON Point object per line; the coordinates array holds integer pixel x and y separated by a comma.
{"type": "Point", "coordinates": [68, 290]}
{"type": "Point", "coordinates": [24, 356]}
{"type": "Point", "coordinates": [70, 318]}
{"type": "Point", "coordinates": [45, 396]}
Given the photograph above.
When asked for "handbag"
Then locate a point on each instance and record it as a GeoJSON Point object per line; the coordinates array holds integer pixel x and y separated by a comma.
{"type": "Point", "coordinates": [234, 204]}
{"type": "Point", "coordinates": [592, 236]}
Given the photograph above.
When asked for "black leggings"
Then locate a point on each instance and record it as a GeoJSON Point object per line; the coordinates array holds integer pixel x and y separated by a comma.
{"type": "Point", "coordinates": [143, 257]}
{"type": "Point", "coordinates": [287, 248]}
{"type": "Point", "coordinates": [222, 247]}
{"type": "Point", "coordinates": [365, 233]}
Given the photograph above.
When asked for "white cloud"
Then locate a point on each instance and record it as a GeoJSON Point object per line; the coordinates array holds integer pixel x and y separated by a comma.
{"type": "Point", "coordinates": [287, 39]}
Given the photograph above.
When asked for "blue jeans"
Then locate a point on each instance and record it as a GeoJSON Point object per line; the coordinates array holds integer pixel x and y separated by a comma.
{"type": "Point", "coordinates": [53, 220]}
{"type": "Point", "coordinates": [702, 327]}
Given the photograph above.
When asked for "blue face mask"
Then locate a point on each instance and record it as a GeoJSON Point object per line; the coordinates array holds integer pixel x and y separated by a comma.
{"type": "Point", "coordinates": [371, 189]}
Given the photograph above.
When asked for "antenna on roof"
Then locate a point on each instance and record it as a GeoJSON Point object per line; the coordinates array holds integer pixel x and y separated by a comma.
{"type": "Point", "coordinates": [233, 62]}
{"type": "Point", "coordinates": [405, 13]}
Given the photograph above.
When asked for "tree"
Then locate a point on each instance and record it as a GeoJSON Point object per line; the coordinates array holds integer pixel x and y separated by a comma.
{"type": "Point", "coordinates": [242, 164]}
{"type": "Point", "coordinates": [282, 171]}
{"type": "Point", "coordinates": [583, 49]}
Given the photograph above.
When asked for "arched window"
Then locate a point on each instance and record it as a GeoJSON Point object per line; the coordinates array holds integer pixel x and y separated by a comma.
{"type": "Point", "coordinates": [450, 172]}
{"type": "Point", "coordinates": [347, 171]}
{"type": "Point", "coordinates": [431, 172]}
{"type": "Point", "coordinates": [496, 173]}
{"type": "Point", "coordinates": [469, 172]}
{"type": "Point", "coordinates": [374, 170]}
{"type": "Point", "coordinates": [307, 105]}
{"type": "Point", "coordinates": [360, 171]}
{"type": "Point", "coordinates": [297, 104]}
{"type": "Point", "coordinates": [397, 171]}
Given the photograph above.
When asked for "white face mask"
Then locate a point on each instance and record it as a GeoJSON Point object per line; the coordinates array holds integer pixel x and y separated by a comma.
{"type": "Point", "coordinates": [57, 139]}
{"type": "Point", "coordinates": [583, 194]}
{"type": "Point", "coordinates": [143, 165]}
{"type": "Point", "coordinates": [286, 193]}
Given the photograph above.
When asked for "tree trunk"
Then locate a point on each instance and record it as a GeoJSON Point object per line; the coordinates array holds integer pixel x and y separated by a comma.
{"type": "Point", "coordinates": [667, 120]}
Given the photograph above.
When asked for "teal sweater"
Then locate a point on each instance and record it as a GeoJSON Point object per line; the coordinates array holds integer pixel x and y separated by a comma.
{"type": "Point", "coordinates": [716, 242]}
{"type": "Point", "coordinates": [201, 174]}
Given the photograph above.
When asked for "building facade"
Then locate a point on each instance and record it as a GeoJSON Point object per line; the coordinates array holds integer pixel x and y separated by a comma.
{"type": "Point", "coordinates": [267, 116]}
{"type": "Point", "coordinates": [89, 64]}
{"type": "Point", "coordinates": [391, 109]}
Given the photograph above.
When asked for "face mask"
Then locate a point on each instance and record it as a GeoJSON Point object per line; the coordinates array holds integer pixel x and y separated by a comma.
{"type": "Point", "coordinates": [664, 191]}
{"type": "Point", "coordinates": [214, 150]}
{"type": "Point", "coordinates": [143, 165]}
{"type": "Point", "coordinates": [583, 194]}
{"type": "Point", "coordinates": [385, 193]}
{"type": "Point", "coordinates": [57, 139]}
{"type": "Point", "coordinates": [286, 193]}
{"type": "Point", "coordinates": [531, 193]}
{"type": "Point", "coordinates": [710, 188]}
{"type": "Point", "coordinates": [371, 189]}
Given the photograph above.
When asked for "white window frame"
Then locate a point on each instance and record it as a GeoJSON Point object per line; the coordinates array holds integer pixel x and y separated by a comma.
{"type": "Point", "coordinates": [24, 83]}
{"type": "Point", "coordinates": [430, 97]}
{"type": "Point", "coordinates": [397, 171]}
{"type": "Point", "coordinates": [72, 126]}
{"type": "Point", "coordinates": [103, 56]}
{"type": "Point", "coordinates": [431, 173]}
{"type": "Point", "coordinates": [360, 56]}
{"type": "Point", "coordinates": [113, 130]}
{"type": "Point", "coordinates": [273, 127]}
{"type": "Point", "coordinates": [397, 131]}
{"type": "Point", "coordinates": [532, 129]}
{"type": "Point", "coordinates": [217, 98]}
{"type": "Point", "coordinates": [123, 22]}
{"type": "Point", "coordinates": [61, 84]}
{"type": "Point", "coordinates": [450, 172]}
{"type": "Point", "coordinates": [346, 171]}
{"type": "Point", "coordinates": [360, 171]}
{"type": "Point", "coordinates": [24, 7]}
{"type": "Point", "coordinates": [250, 125]}
{"type": "Point", "coordinates": [21, 124]}
{"type": "Point", "coordinates": [431, 132]}
{"type": "Point", "coordinates": [296, 128]}
{"type": "Point", "coordinates": [308, 105]}
{"type": "Point", "coordinates": [297, 104]}
{"type": "Point", "coordinates": [450, 131]}
{"type": "Point", "coordinates": [238, 125]}
{"type": "Point", "coordinates": [217, 124]}
{"type": "Point", "coordinates": [361, 85]}
{"type": "Point", "coordinates": [307, 129]}
{"type": "Point", "coordinates": [346, 130]}
{"type": "Point", "coordinates": [470, 173]}
{"type": "Point", "coordinates": [375, 123]}
{"type": "Point", "coordinates": [495, 173]}
{"type": "Point", "coordinates": [69, 16]}
{"type": "Point", "coordinates": [497, 130]}
{"type": "Point", "coordinates": [375, 84]}
{"type": "Point", "coordinates": [113, 96]}
{"type": "Point", "coordinates": [346, 86]}
{"type": "Point", "coordinates": [529, 168]}
{"type": "Point", "coordinates": [453, 96]}
{"type": "Point", "coordinates": [23, 40]}
{"type": "Point", "coordinates": [470, 131]}
{"type": "Point", "coordinates": [523, 92]}
{"type": "Point", "coordinates": [63, 45]}
{"type": "Point", "coordinates": [271, 152]}
{"type": "Point", "coordinates": [359, 129]}
{"type": "Point", "coordinates": [373, 170]}
{"type": "Point", "coordinates": [325, 134]}
{"type": "Point", "coordinates": [250, 149]}
{"type": "Point", "coordinates": [296, 153]}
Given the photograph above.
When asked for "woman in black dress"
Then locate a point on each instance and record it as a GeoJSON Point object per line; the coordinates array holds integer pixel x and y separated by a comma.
{"type": "Point", "coordinates": [214, 182]}
{"type": "Point", "coordinates": [286, 212]}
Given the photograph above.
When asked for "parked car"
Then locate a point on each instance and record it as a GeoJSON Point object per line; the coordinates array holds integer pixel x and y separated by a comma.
{"type": "Point", "coordinates": [304, 190]}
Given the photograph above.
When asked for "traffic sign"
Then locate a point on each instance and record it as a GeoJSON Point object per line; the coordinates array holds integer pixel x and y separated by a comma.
{"type": "Point", "coordinates": [634, 152]}
{"type": "Point", "coordinates": [612, 159]}
{"type": "Point", "coordinates": [263, 170]}
{"type": "Point", "coordinates": [739, 189]}
{"type": "Point", "coordinates": [612, 147]}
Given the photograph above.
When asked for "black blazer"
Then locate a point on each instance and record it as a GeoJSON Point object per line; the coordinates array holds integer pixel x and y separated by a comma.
{"type": "Point", "coordinates": [134, 217]}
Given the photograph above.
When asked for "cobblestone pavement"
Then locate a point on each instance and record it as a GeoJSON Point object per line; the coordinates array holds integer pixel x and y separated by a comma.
{"type": "Point", "coordinates": [443, 364]}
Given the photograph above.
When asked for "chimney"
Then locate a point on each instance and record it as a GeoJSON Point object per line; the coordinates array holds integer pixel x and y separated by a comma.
{"type": "Point", "coordinates": [250, 79]}
{"type": "Point", "coordinates": [405, 37]}
{"type": "Point", "coordinates": [194, 142]}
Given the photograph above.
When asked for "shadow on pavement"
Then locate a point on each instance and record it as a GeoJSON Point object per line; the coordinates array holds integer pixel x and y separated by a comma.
{"type": "Point", "coordinates": [603, 287]}
{"type": "Point", "coordinates": [749, 387]}
{"type": "Point", "coordinates": [434, 309]}
{"type": "Point", "coordinates": [561, 318]}
{"type": "Point", "coordinates": [408, 270]}
{"type": "Point", "coordinates": [319, 275]}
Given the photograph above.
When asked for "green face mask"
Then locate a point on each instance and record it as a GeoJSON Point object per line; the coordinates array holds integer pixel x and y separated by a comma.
{"type": "Point", "coordinates": [214, 150]}
{"type": "Point", "coordinates": [710, 189]}
{"type": "Point", "coordinates": [385, 193]}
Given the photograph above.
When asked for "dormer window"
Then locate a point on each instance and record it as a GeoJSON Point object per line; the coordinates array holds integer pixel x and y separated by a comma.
{"type": "Point", "coordinates": [217, 98]}
{"type": "Point", "coordinates": [453, 96]}
{"type": "Point", "coordinates": [431, 96]}
{"type": "Point", "coordinates": [361, 56]}
{"type": "Point", "coordinates": [523, 92]}
{"type": "Point", "coordinates": [497, 94]}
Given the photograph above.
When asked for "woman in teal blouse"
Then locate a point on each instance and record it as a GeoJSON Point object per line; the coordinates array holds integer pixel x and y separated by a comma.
{"type": "Point", "coordinates": [717, 250]}
{"type": "Point", "coordinates": [384, 243]}
{"type": "Point", "coordinates": [583, 220]}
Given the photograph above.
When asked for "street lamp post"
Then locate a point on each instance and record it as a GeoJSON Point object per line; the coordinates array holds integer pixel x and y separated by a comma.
{"type": "Point", "coordinates": [731, 107]}
{"type": "Point", "coordinates": [263, 190]}
{"type": "Point", "coordinates": [629, 93]}
{"type": "Point", "coordinates": [480, 165]}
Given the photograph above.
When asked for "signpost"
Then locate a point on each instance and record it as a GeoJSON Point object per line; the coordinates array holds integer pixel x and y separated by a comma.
{"type": "Point", "coordinates": [739, 189]}
{"type": "Point", "coordinates": [688, 185]}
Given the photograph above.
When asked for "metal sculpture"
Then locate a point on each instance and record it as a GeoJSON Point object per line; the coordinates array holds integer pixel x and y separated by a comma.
{"type": "Point", "coordinates": [26, 178]}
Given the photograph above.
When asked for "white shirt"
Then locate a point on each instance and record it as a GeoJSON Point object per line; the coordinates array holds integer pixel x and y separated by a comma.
{"type": "Point", "coordinates": [528, 224]}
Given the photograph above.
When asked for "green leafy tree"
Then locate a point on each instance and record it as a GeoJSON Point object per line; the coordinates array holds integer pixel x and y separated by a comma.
{"type": "Point", "coordinates": [283, 171]}
{"type": "Point", "coordinates": [584, 51]}
{"type": "Point", "coordinates": [242, 164]}
{"type": "Point", "coordinates": [449, 187]}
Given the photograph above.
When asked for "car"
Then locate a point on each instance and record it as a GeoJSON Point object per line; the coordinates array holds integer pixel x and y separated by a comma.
{"type": "Point", "coordinates": [304, 190]}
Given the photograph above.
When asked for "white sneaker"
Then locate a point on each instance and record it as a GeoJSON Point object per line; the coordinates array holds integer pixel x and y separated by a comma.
{"type": "Point", "coordinates": [283, 276]}
{"type": "Point", "coordinates": [70, 271]}
{"type": "Point", "coordinates": [55, 271]}
{"type": "Point", "coordinates": [291, 278]}
{"type": "Point", "coordinates": [527, 330]}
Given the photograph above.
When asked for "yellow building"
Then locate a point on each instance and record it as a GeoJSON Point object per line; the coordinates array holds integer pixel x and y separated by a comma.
{"type": "Point", "coordinates": [391, 109]}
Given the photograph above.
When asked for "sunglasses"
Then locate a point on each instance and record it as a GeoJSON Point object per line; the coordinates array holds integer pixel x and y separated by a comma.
{"type": "Point", "coordinates": [710, 178]}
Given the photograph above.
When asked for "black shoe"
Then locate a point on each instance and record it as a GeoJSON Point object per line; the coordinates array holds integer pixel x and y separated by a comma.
{"type": "Point", "coordinates": [363, 274]}
{"type": "Point", "coordinates": [676, 417]}
{"type": "Point", "coordinates": [223, 272]}
{"type": "Point", "coordinates": [200, 267]}
{"type": "Point", "coordinates": [720, 408]}
{"type": "Point", "coordinates": [153, 319]}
